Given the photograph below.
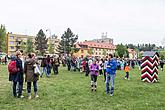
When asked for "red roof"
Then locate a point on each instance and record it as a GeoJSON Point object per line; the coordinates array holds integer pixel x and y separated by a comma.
{"type": "Point", "coordinates": [97, 45]}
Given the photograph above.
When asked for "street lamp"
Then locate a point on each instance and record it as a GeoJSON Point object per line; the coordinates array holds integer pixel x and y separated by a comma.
{"type": "Point", "coordinates": [49, 32]}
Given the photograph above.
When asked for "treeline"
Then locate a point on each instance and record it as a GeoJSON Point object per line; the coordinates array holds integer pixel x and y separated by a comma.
{"type": "Point", "coordinates": [144, 47]}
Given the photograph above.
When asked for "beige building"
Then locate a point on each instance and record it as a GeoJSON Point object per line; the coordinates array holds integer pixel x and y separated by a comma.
{"type": "Point", "coordinates": [92, 48]}
{"type": "Point", "coordinates": [14, 41]}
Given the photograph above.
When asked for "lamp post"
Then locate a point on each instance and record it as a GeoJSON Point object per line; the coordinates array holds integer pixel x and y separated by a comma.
{"type": "Point", "coordinates": [49, 32]}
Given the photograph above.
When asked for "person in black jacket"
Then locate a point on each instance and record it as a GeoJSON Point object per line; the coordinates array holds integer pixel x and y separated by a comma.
{"type": "Point", "coordinates": [18, 76]}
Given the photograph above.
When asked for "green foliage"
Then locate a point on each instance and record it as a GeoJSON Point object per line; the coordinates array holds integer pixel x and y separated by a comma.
{"type": "Point", "coordinates": [22, 45]}
{"type": "Point", "coordinates": [41, 42]}
{"type": "Point", "coordinates": [90, 52]}
{"type": "Point", "coordinates": [51, 48]}
{"type": "Point", "coordinates": [2, 38]}
{"type": "Point", "coordinates": [71, 91]}
{"type": "Point", "coordinates": [68, 40]}
{"type": "Point", "coordinates": [121, 50]}
{"type": "Point", "coordinates": [142, 47]}
{"type": "Point", "coordinates": [162, 55]}
{"type": "Point", "coordinates": [29, 46]}
{"type": "Point", "coordinates": [73, 50]}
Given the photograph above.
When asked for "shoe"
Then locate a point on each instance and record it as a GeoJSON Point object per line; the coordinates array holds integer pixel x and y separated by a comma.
{"type": "Point", "coordinates": [21, 96]}
{"type": "Point", "coordinates": [111, 94]}
{"type": "Point", "coordinates": [29, 97]}
{"type": "Point", "coordinates": [36, 96]}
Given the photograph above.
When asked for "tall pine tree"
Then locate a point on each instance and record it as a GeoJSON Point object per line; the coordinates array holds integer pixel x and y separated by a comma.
{"type": "Point", "coordinates": [29, 46]}
{"type": "Point", "coordinates": [41, 42]}
{"type": "Point", "coordinates": [2, 38]}
{"type": "Point", "coordinates": [68, 40]}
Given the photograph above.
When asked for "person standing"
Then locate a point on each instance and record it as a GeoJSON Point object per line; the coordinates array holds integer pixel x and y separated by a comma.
{"type": "Point", "coordinates": [30, 76]}
{"type": "Point", "coordinates": [17, 77]}
{"type": "Point", "coordinates": [94, 68]}
{"type": "Point", "coordinates": [101, 65]}
{"type": "Point", "coordinates": [48, 65]}
{"type": "Point", "coordinates": [161, 64]}
{"type": "Point", "coordinates": [105, 66]}
{"type": "Point", "coordinates": [55, 65]}
{"type": "Point", "coordinates": [43, 65]}
{"type": "Point", "coordinates": [110, 74]}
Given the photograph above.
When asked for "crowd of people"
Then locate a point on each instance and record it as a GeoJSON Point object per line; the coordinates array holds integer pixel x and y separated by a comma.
{"type": "Point", "coordinates": [29, 68]}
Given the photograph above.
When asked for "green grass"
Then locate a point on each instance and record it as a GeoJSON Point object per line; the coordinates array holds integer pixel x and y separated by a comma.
{"type": "Point", "coordinates": [71, 91]}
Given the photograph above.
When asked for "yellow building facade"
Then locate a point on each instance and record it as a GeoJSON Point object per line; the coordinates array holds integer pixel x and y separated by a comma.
{"type": "Point", "coordinates": [14, 41]}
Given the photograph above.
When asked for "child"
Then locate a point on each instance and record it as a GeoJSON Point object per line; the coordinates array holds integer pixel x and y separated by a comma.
{"type": "Point", "coordinates": [94, 68]}
{"type": "Point", "coordinates": [127, 69]}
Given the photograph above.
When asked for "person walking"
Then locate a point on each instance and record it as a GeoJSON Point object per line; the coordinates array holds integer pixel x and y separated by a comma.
{"type": "Point", "coordinates": [110, 74]}
{"type": "Point", "coordinates": [30, 76]}
{"type": "Point", "coordinates": [43, 65]}
{"type": "Point", "coordinates": [127, 70]}
{"type": "Point", "coordinates": [48, 65]}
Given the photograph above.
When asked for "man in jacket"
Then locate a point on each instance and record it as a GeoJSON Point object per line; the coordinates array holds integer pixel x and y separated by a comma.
{"type": "Point", "coordinates": [110, 74]}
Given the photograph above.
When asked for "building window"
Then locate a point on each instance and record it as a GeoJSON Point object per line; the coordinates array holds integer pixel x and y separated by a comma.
{"type": "Point", "coordinates": [96, 53]}
{"type": "Point", "coordinates": [11, 42]}
{"type": "Point", "coordinates": [11, 47]}
{"type": "Point", "coordinates": [99, 53]}
{"type": "Point", "coordinates": [11, 37]}
{"type": "Point", "coordinates": [82, 51]}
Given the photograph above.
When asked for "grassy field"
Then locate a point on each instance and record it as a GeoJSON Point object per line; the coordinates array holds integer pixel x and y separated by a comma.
{"type": "Point", "coordinates": [71, 91]}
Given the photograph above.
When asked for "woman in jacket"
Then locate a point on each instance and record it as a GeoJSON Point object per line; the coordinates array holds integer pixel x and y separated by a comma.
{"type": "Point", "coordinates": [30, 76]}
{"type": "Point", "coordinates": [94, 69]}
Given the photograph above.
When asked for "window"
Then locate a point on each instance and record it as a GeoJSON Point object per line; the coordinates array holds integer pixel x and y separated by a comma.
{"type": "Point", "coordinates": [82, 51]}
{"type": "Point", "coordinates": [99, 53]}
{"type": "Point", "coordinates": [12, 47]}
{"type": "Point", "coordinates": [11, 42]}
{"type": "Point", "coordinates": [96, 53]}
{"type": "Point", "coordinates": [11, 37]}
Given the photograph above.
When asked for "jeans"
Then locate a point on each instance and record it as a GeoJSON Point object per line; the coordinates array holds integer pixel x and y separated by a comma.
{"type": "Point", "coordinates": [17, 88]}
{"type": "Point", "coordinates": [104, 75]}
{"type": "Point", "coordinates": [55, 69]}
{"type": "Point", "coordinates": [110, 78]}
{"type": "Point", "coordinates": [48, 70]}
{"type": "Point", "coordinates": [29, 87]}
{"type": "Point", "coordinates": [44, 70]}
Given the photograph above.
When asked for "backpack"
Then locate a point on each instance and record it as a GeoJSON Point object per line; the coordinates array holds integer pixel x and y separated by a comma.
{"type": "Point", "coordinates": [12, 67]}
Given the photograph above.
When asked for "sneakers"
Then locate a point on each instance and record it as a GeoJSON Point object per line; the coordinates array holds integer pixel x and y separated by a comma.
{"type": "Point", "coordinates": [29, 97]}
{"type": "Point", "coordinates": [36, 96]}
{"type": "Point", "coordinates": [21, 96]}
{"type": "Point", "coordinates": [111, 94]}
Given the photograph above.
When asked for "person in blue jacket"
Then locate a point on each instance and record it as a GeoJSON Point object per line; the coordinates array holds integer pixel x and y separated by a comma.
{"type": "Point", "coordinates": [110, 74]}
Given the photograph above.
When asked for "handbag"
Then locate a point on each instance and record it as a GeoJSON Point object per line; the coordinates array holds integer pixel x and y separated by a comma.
{"type": "Point", "coordinates": [36, 70]}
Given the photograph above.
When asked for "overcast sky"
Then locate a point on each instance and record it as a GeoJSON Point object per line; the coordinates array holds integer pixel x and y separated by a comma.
{"type": "Point", "coordinates": [126, 21]}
